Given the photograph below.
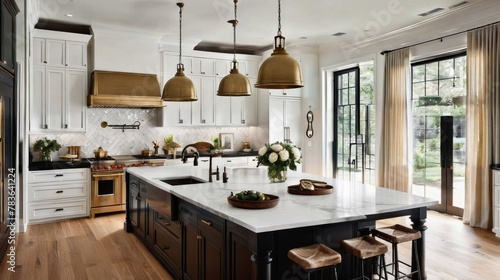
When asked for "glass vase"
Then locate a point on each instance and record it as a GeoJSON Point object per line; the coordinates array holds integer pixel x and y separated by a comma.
{"type": "Point", "coordinates": [276, 174]}
{"type": "Point", "coordinates": [45, 157]}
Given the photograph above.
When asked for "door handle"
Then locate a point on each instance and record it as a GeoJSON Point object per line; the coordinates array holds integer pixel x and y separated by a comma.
{"type": "Point", "coordinates": [206, 222]}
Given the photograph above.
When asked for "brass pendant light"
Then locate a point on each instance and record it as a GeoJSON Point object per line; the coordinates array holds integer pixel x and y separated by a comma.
{"type": "Point", "coordinates": [279, 71]}
{"type": "Point", "coordinates": [234, 84]}
{"type": "Point", "coordinates": [180, 87]}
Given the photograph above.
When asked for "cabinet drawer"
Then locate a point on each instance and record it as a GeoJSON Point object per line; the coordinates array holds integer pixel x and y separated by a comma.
{"type": "Point", "coordinates": [59, 175]}
{"type": "Point", "coordinates": [496, 178]}
{"type": "Point", "coordinates": [52, 211]}
{"type": "Point", "coordinates": [166, 224]}
{"type": "Point", "coordinates": [40, 192]}
{"type": "Point", "coordinates": [168, 245]}
{"type": "Point", "coordinates": [210, 224]}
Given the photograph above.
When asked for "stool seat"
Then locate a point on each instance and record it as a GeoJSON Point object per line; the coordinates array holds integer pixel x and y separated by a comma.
{"type": "Point", "coordinates": [314, 256]}
{"type": "Point", "coordinates": [364, 247]}
{"type": "Point", "coordinates": [397, 233]}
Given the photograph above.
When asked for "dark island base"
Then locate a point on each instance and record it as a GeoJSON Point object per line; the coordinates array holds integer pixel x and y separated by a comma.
{"type": "Point", "coordinates": [192, 243]}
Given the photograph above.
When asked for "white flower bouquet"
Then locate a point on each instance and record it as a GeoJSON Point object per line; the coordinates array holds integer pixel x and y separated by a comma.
{"type": "Point", "coordinates": [278, 157]}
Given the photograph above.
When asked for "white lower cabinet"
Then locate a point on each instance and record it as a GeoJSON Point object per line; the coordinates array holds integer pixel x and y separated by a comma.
{"type": "Point", "coordinates": [58, 194]}
{"type": "Point", "coordinates": [496, 202]}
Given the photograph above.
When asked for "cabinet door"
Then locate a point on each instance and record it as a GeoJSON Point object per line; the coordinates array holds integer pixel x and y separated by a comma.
{"type": "Point", "coordinates": [212, 259]}
{"type": "Point", "coordinates": [37, 100]}
{"type": "Point", "coordinates": [55, 97]}
{"type": "Point", "coordinates": [39, 52]}
{"type": "Point", "coordinates": [76, 93]}
{"type": "Point", "coordinates": [250, 105]}
{"type": "Point", "coordinates": [276, 120]}
{"type": "Point", "coordinates": [8, 35]}
{"type": "Point", "coordinates": [176, 114]}
{"type": "Point", "coordinates": [222, 68]}
{"type": "Point", "coordinates": [296, 92]}
{"type": "Point", "coordinates": [76, 54]}
{"type": "Point", "coordinates": [141, 216]}
{"type": "Point", "coordinates": [191, 253]}
{"type": "Point", "coordinates": [203, 109]}
{"type": "Point", "coordinates": [293, 117]}
{"type": "Point", "coordinates": [202, 66]}
{"type": "Point", "coordinates": [55, 53]}
{"type": "Point", "coordinates": [248, 68]}
{"type": "Point", "coordinates": [133, 208]}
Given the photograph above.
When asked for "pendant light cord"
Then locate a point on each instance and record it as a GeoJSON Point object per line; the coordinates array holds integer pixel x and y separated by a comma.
{"type": "Point", "coordinates": [279, 17]}
{"type": "Point", "coordinates": [234, 30]}
{"type": "Point", "coordinates": [180, 31]}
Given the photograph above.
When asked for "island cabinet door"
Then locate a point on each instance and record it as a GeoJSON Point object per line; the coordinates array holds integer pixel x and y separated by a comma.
{"type": "Point", "coordinates": [192, 254]}
{"type": "Point", "coordinates": [133, 207]}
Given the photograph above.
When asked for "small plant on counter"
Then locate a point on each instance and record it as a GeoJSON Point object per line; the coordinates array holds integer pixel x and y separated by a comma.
{"type": "Point", "coordinates": [46, 147]}
{"type": "Point", "coordinates": [170, 145]}
{"type": "Point", "coordinates": [278, 157]}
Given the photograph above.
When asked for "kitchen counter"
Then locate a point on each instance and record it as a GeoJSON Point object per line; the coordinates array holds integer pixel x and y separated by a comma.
{"type": "Point", "coordinates": [348, 202]}
{"type": "Point", "coordinates": [35, 166]}
{"type": "Point", "coordinates": [267, 234]}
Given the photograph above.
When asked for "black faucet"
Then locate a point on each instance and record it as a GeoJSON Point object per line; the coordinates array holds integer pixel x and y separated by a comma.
{"type": "Point", "coordinates": [184, 155]}
{"type": "Point", "coordinates": [210, 173]}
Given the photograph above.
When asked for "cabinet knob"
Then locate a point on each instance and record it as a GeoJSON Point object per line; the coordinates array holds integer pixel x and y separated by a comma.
{"type": "Point", "coordinates": [181, 121]}
{"type": "Point", "coordinates": [45, 126]}
{"type": "Point", "coordinates": [4, 62]}
{"type": "Point", "coordinates": [242, 121]}
{"type": "Point", "coordinates": [66, 126]}
{"type": "Point", "coordinates": [44, 61]}
{"type": "Point", "coordinates": [284, 93]}
{"type": "Point", "coordinates": [198, 237]}
{"type": "Point", "coordinates": [66, 64]}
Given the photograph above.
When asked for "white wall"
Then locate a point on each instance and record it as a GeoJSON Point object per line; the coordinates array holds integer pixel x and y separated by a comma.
{"type": "Point", "coordinates": [125, 52]}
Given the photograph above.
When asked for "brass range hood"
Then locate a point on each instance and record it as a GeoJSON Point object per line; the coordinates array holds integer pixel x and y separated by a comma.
{"type": "Point", "coordinates": [110, 89]}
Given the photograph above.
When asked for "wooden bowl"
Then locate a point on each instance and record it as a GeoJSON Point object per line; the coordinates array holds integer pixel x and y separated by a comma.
{"type": "Point", "coordinates": [254, 204]}
{"type": "Point", "coordinates": [147, 153]}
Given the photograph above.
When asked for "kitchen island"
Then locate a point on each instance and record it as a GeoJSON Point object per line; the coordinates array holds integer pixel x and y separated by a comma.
{"type": "Point", "coordinates": [254, 242]}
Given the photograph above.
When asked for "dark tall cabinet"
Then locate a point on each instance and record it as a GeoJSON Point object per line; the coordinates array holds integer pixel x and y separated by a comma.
{"type": "Point", "coordinates": [8, 127]}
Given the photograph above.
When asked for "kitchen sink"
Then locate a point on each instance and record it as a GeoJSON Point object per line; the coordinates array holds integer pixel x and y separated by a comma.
{"type": "Point", "coordinates": [182, 181]}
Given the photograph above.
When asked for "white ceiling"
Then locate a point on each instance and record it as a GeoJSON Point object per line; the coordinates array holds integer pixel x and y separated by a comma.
{"type": "Point", "coordinates": [206, 20]}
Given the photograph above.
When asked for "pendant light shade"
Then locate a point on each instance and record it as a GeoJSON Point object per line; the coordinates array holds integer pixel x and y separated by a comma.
{"type": "Point", "coordinates": [279, 71]}
{"type": "Point", "coordinates": [180, 87]}
{"type": "Point", "coordinates": [234, 84]}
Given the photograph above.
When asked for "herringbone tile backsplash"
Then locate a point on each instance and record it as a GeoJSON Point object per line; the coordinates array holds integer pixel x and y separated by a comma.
{"type": "Point", "coordinates": [132, 141]}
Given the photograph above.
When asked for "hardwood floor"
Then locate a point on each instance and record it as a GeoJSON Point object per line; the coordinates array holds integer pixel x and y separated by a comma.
{"type": "Point", "coordinates": [100, 249]}
{"type": "Point", "coordinates": [82, 249]}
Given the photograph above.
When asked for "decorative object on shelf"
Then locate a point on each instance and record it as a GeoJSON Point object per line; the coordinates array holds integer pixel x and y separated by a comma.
{"type": "Point", "coordinates": [246, 147]}
{"type": "Point", "coordinates": [156, 145]}
{"type": "Point", "coordinates": [180, 87]}
{"type": "Point", "coordinates": [217, 146]}
{"type": "Point", "coordinates": [310, 118]}
{"type": "Point", "coordinates": [234, 84]}
{"type": "Point", "coordinates": [226, 141]}
{"type": "Point", "coordinates": [45, 147]}
{"type": "Point", "coordinates": [169, 146]}
{"type": "Point", "coordinates": [278, 157]}
{"type": "Point", "coordinates": [279, 71]}
{"type": "Point", "coordinates": [135, 125]}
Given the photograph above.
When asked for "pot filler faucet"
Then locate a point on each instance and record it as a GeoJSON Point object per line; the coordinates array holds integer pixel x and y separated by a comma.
{"type": "Point", "coordinates": [185, 151]}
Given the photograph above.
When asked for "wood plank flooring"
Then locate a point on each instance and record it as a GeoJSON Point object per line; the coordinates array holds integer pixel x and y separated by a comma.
{"type": "Point", "coordinates": [100, 249]}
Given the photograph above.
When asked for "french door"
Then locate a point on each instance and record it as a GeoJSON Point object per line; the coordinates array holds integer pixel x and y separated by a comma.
{"type": "Point", "coordinates": [354, 124]}
{"type": "Point", "coordinates": [439, 143]}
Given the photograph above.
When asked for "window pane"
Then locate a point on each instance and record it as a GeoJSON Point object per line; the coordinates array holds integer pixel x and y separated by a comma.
{"type": "Point", "coordinates": [446, 69]}
{"type": "Point", "coordinates": [418, 90]}
{"type": "Point", "coordinates": [419, 73]}
{"type": "Point", "coordinates": [431, 71]}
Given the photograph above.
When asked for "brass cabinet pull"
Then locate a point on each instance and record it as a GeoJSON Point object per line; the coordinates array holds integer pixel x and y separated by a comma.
{"type": "Point", "coordinates": [59, 191]}
{"type": "Point", "coordinates": [198, 237]}
{"type": "Point", "coordinates": [206, 222]}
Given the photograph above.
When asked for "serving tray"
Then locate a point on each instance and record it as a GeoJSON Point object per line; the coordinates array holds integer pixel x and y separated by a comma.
{"type": "Point", "coordinates": [295, 189]}
{"type": "Point", "coordinates": [254, 204]}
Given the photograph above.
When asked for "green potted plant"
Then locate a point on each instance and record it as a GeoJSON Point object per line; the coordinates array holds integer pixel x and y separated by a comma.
{"type": "Point", "coordinates": [45, 147]}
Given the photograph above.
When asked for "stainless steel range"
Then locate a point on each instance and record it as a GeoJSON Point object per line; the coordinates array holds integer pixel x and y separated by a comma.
{"type": "Point", "coordinates": [108, 181]}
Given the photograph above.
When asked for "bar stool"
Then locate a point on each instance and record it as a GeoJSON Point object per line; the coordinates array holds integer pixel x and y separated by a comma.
{"type": "Point", "coordinates": [364, 248]}
{"type": "Point", "coordinates": [316, 256]}
{"type": "Point", "coordinates": [398, 234]}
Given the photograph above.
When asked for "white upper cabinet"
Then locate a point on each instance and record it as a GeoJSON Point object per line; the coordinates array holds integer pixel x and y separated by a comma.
{"type": "Point", "coordinates": [59, 53]}
{"type": "Point", "coordinates": [284, 115]}
{"type": "Point", "coordinates": [59, 92]}
{"type": "Point", "coordinates": [210, 109]}
{"type": "Point", "coordinates": [295, 92]}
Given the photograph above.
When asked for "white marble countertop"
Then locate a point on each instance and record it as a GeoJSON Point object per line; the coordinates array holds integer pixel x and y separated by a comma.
{"type": "Point", "coordinates": [348, 201]}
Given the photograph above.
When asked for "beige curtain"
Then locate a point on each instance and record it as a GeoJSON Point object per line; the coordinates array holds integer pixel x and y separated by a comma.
{"type": "Point", "coordinates": [483, 122]}
{"type": "Point", "coordinates": [393, 167]}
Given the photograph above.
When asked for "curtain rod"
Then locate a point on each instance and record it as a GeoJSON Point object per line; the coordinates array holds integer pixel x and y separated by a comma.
{"type": "Point", "coordinates": [440, 38]}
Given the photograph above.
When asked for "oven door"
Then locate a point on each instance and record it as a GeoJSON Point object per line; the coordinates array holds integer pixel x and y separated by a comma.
{"type": "Point", "coordinates": [107, 189]}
